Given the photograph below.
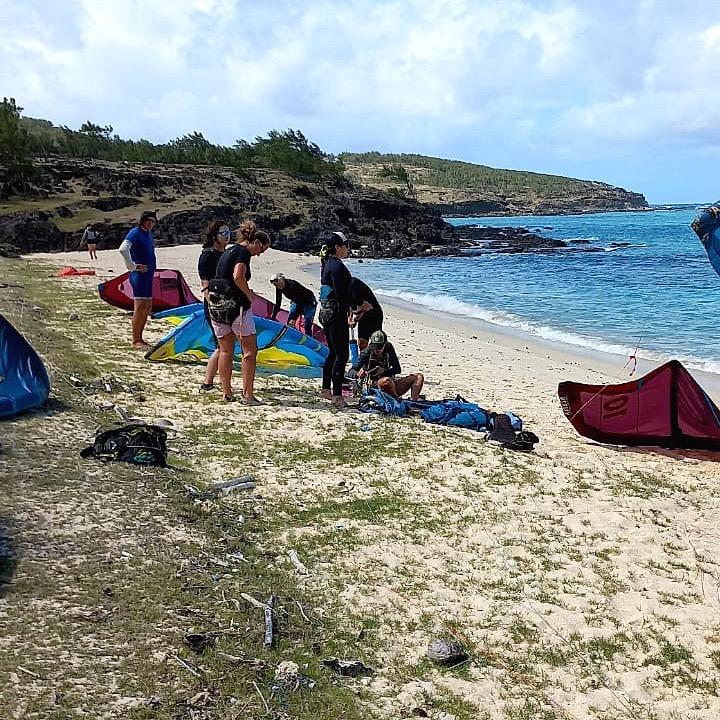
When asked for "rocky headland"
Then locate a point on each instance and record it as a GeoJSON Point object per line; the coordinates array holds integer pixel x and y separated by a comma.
{"type": "Point", "coordinates": [297, 211]}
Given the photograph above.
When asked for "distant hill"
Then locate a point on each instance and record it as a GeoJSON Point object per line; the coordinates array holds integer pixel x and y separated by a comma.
{"type": "Point", "coordinates": [462, 188]}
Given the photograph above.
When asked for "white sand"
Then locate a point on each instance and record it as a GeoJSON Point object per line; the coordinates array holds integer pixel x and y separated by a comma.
{"type": "Point", "coordinates": [600, 542]}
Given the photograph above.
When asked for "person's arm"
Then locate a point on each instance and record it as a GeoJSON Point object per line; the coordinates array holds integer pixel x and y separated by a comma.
{"type": "Point", "coordinates": [278, 303]}
{"type": "Point", "coordinates": [241, 282]}
{"type": "Point", "coordinates": [85, 235]}
{"type": "Point", "coordinates": [362, 362]}
{"type": "Point", "coordinates": [341, 280]}
{"type": "Point", "coordinates": [124, 250]}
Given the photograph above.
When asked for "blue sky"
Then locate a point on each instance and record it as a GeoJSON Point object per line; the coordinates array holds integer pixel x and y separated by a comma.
{"type": "Point", "coordinates": [622, 92]}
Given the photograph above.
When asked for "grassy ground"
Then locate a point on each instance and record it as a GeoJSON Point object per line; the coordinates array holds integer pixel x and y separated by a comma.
{"type": "Point", "coordinates": [579, 592]}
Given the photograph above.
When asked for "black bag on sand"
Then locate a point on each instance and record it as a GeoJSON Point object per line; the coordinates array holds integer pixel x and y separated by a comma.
{"type": "Point", "coordinates": [139, 444]}
{"type": "Point", "coordinates": [225, 301]}
{"type": "Point", "coordinates": [502, 431]}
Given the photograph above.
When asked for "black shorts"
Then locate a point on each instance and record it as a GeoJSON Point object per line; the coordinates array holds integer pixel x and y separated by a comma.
{"type": "Point", "coordinates": [368, 323]}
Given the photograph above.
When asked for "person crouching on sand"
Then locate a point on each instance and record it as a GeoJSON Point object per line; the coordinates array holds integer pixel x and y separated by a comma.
{"type": "Point", "coordinates": [216, 239]}
{"type": "Point", "coordinates": [379, 362]}
{"type": "Point", "coordinates": [138, 251]}
{"type": "Point", "coordinates": [230, 305]}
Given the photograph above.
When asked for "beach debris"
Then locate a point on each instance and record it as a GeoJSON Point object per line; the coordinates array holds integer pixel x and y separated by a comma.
{"type": "Point", "coordinates": [288, 678]}
{"type": "Point", "coordinates": [446, 651]}
{"type": "Point", "coordinates": [269, 627]}
{"type": "Point", "coordinates": [250, 599]}
{"type": "Point", "coordinates": [199, 642]}
{"type": "Point", "coordinates": [295, 560]}
{"type": "Point", "coordinates": [348, 668]}
{"type": "Point", "coordinates": [245, 482]}
{"type": "Point", "coordinates": [73, 316]}
{"type": "Point", "coordinates": [106, 405]}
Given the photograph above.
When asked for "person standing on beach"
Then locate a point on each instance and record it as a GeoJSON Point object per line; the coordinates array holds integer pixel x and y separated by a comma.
{"type": "Point", "coordinates": [216, 239]}
{"type": "Point", "coordinates": [230, 305]}
{"type": "Point", "coordinates": [302, 301]}
{"type": "Point", "coordinates": [335, 301]}
{"type": "Point", "coordinates": [90, 239]}
{"type": "Point", "coordinates": [366, 311]}
{"type": "Point", "coordinates": [138, 251]}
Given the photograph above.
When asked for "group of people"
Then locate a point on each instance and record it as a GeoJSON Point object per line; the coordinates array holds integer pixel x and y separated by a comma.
{"type": "Point", "coordinates": [224, 269]}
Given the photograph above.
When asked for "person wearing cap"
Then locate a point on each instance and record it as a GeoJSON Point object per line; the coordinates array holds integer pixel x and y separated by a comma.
{"type": "Point", "coordinates": [302, 301]}
{"type": "Point", "coordinates": [335, 302]}
{"type": "Point", "coordinates": [380, 363]}
{"type": "Point", "coordinates": [138, 252]}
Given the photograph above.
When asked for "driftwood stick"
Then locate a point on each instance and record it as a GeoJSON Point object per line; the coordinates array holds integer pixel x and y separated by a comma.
{"type": "Point", "coordinates": [262, 697]}
{"type": "Point", "coordinates": [302, 612]}
{"type": "Point", "coordinates": [186, 665]}
{"type": "Point", "coordinates": [245, 482]}
{"type": "Point", "coordinates": [252, 601]}
{"type": "Point", "coordinates": [269, 622]}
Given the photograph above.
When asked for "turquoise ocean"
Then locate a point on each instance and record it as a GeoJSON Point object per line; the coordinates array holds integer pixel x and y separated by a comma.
{"type": "Point", "coordinates": [650, 286]}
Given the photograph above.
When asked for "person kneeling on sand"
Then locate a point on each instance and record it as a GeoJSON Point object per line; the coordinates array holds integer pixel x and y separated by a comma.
{"type": "Point", "coordinates": [380, 363]}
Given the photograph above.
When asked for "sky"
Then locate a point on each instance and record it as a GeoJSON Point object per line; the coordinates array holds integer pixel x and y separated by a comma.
{"type": "Point", "coordinates": [617, 91]}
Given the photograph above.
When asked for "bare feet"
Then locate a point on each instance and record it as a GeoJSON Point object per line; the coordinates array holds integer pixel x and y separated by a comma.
{"type": "Point", "coordinates": [142, 345]}
{"type": "Point", "coordinates": [326, 394]}
{"type": "Point", "coordinates": [251, 401]}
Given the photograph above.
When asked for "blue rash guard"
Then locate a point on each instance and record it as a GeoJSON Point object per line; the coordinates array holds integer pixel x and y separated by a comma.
{"type": "Point", "coordinates": [142, 252]}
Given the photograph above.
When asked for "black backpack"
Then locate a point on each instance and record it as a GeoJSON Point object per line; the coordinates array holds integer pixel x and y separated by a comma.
{"type": "Point", "coordinates": [139, 444]}
{"type": "Point", "coordinates": [225, 301]}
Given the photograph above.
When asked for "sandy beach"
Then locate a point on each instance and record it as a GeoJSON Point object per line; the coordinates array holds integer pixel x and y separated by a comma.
{"type": "Point", "coordinates": [583, 577]}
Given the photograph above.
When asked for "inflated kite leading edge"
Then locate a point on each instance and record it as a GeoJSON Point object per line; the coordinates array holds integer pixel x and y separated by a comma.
{"type": "Point", "coordinates": [665, 408]}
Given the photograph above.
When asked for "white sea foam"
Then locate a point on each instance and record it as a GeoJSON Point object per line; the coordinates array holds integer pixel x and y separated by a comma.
{"type": "Point", "coordinates": [453, 306]}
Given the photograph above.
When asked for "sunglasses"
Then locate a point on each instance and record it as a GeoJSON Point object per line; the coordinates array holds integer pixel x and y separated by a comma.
{"type": "Point", "coordinates": [225, 233]}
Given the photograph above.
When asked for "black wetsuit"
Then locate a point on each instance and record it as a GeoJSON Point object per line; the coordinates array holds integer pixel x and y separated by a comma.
{"type": "Point", "coordinates": [302, 302]}
{"type": "Point", "coordinates": [371, 320]}
{"type": "Point", "coordinates": [386, 364]}
{"type": "Point", "coordinates": [207, 266]}
{"type": "Point", "coordinates": [335, 277]}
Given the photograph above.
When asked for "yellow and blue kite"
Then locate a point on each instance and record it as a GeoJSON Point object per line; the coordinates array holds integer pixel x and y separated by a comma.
{"type": "Point", "coordinates": [280, 348]}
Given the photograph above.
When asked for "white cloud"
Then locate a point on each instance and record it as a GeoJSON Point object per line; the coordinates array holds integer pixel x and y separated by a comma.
{"type": "Point", "coordinates": [497, 82]}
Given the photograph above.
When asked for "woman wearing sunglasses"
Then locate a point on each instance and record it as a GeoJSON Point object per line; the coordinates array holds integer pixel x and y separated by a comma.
{"type": "Point", "coordinates": [216, 239]}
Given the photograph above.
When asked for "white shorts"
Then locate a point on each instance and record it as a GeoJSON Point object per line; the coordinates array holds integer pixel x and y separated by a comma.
{"type": "Point", "coordinates": [243, 325]}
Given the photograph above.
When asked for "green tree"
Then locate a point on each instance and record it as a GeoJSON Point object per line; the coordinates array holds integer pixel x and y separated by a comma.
{"type": "Point", "coordinates": [15, 146]}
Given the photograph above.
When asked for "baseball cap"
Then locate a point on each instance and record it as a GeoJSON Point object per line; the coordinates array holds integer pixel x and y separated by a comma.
{"type": "Point", "coordinates": [378, 340]}
{"type": "Point", "coordinates": [276, 276]}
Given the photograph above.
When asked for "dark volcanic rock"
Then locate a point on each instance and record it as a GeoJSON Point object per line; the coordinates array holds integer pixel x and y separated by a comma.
{"type": "Point", "coordinates": [506, 240]}
{"type": "Point", "coordinates": [32, 232]}
{"type": "Point", "coordinates": [114, 202]}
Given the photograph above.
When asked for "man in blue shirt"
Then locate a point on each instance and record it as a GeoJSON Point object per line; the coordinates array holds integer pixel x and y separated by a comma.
{"type": "Point", "coordinates": [138, 251]}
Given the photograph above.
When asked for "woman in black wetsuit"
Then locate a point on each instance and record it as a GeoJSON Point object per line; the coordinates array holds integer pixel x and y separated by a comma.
{"type": "Point", "coordinates": [335, 300]}
{"type": "Point", "coordinates": [216, 240]}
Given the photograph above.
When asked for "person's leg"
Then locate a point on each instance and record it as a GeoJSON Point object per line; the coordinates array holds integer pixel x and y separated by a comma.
{"type": "Point", "coordinates": [417, 386]}
{"type": "Point", "coordinates": [342, 353]}
{"type": "Point", "coordinates": [293, 315]}
{"type": "Point", "coordinates": [308, 319]}
{"type": "Point", "coordinates": [329, 362]}
{"type": "Point", "coordinates": [249, 363]}
{"type": "Point", "coordinates": [225, 362]}
{"type": "Point", "coordinates": [141, 311]}
{"type": "Point", "coordinates": [212, 369]}
{"type": "Point", "coordinates": [388, 385]}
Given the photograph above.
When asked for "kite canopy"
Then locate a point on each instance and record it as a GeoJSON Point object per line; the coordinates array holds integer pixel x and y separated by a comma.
{"type": "Point", "coordinates": [280, 348]}
{"type": "Point", "coordinates": [261, 308]}
{"type": "Point", "coordinates": [707, 227]}
{"type": "Point", "coordinates": [169, 291]}
{"type": "Point", "coordinates": [24, 382]}
{"type": "Point", "coordinates": [666, 408]}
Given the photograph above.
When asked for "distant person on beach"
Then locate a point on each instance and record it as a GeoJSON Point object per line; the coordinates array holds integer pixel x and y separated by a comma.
{"type": "Point", "coordinates": [302, 301]}
{"type": "Point", "coordinates": [230, 305]}
{"type": "Point", "coordinates": [379, 362]}
{"type": "Point", "coordinates": [90, 239]}
{"type": "Point", "coordinates": [138, 251]}
{"type": "Point", "coordinates": [335, 302]}
{"type": "Point", "coordinates": [366, 311]}
{"type": "Point", "coordinates": [216, 239]}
